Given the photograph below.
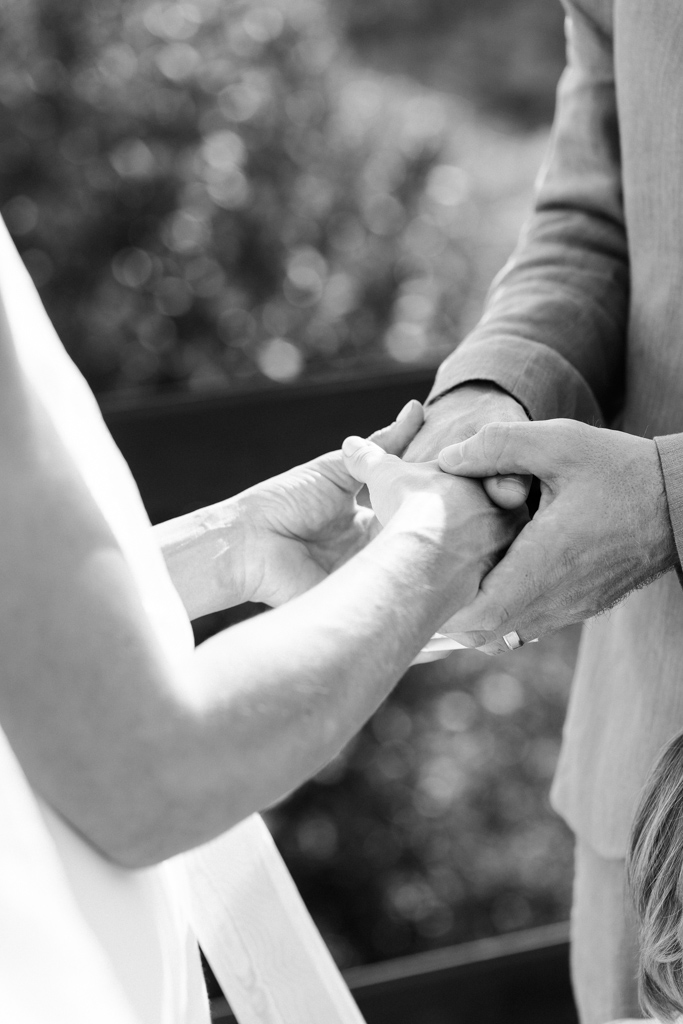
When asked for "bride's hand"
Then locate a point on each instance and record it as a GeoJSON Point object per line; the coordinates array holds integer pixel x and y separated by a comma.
{"type": "Point", "coordinates": [463, 521]}
{"type": "Point", "coordinates": [300, 526]}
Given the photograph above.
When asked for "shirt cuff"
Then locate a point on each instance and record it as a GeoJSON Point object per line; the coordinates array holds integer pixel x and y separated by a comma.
{"type": "Point", "coordinates": [541, 380]}
{"type": "Point", "coordinates": [670, 449]}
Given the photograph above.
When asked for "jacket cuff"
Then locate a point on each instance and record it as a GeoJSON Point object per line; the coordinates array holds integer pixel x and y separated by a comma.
{"type": "Point", "coordinates": [541, 380]}
{"type": "Point", "coordinates": [670, 449]}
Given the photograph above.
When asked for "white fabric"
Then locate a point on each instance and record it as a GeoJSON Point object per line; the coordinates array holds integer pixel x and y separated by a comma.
{"type": "Point", "coordinates": [75, 927]}
{"type": "Point", "coordinates": [269, 957]}
{"type": "Point", "coordinates": [84, 940]}
{"type": "Point", "coordinates": [50, 967]}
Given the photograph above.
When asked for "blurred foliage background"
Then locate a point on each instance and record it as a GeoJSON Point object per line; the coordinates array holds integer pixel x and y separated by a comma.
{"type": "Point", "coordinates": [213, 193]}
{"type": "Point", "coordinates": [229, 193]}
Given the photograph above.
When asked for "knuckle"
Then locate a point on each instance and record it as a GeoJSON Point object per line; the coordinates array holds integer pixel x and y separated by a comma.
{"type": "Point", "coordinates": [478, 639]}
{"type": "Point", "coordinates": [494, 617]}
{"type": "Point", "coordinates": [382, 436]}
{"type": "Point", "coordinates": [571, 436]}
{"type": "Point", "coordinates": [494, 438]}
{"type": "Point", "coordinates": [367, 455]}
{"type": "Point", "coordinates": [495, 650]}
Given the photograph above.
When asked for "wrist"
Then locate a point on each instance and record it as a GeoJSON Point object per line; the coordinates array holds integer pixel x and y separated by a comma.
{"type": "Point", "coordinates": [480, 402]}
{"type": "Point", "coordinates": [203, 552]}
{"type": "Point", "coordinates": [424, 543]}
{"type": "Point", "coordinates": [461, 413]}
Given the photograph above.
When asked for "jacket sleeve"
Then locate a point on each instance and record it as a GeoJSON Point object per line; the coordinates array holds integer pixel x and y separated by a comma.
{"type": "Point", "coordinates": [670, 449]}
{"type": "Point", "coordinates": [554, 325]}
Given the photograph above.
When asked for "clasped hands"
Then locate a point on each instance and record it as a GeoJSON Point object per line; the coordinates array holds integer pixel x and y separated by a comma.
{"type": "Point", "coordinates": [601, 529]}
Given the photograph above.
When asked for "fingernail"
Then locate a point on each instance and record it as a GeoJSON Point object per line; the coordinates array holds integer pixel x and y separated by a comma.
{"type": "Point", "coordinates": [511, 483]}
{"type": "Point", "coordinates": [405, 411]}
{"type": "Point", "coordinates": [451, 457]}
{"type": "Point", "coordinates": [352, 444]}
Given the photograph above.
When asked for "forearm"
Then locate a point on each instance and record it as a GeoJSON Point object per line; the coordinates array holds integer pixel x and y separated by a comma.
{"type": "Point", "coordinates": [198, 550]}
{"type": "Point", "coordinates": [272, 700]}
{"type": "Point", "coordinates": [553, 334]}
{"type": "Point", "coordinates": [147, 758]}
{"type": "Point", "coordinates": [284, 693]}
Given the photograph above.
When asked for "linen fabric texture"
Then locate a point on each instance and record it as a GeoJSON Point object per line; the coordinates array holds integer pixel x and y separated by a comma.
{"type": "Point", "coordinates": [106, 941]}
{"type": "Point", "coordinates": [604, 946]}
{"type": "Point", "coordinates": [120, 939]}
{"type": "Point", "coordinates": [586, 321]}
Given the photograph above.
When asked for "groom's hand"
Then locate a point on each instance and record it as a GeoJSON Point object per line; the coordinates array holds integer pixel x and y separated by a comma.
{"type": "Point", "coordinates": [458, 415]}
{"type": "Point", "coordinates": [602, 527]}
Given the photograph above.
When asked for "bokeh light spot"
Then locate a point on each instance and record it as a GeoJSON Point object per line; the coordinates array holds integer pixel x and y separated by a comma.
{"type": "Point", "coordinates": [280, 360]}
{"type": "Point", "coordinates": [20, 214]}
{"type": "Point", "coordinates": [133, 158]}
{"type": "Point", "coordinates": [448, 185]}
{"type": "Point", "coordinates": [177, 61]}
{"type": "Point", "coordinates": [500, 693]}
{"type": "Point", "coordinates": [132, 267]}
{"type": "Point", "coordinates": [223, 150]}
{"type": "Point", "coordinates": [406, 342]}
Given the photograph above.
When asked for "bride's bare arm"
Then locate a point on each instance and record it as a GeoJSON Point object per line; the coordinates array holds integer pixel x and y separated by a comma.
{"type": "Point", "coordinates": [147, 758]}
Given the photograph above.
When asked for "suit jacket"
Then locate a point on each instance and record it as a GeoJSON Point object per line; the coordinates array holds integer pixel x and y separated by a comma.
{"type": "Point", "coordinates": [586, 321]}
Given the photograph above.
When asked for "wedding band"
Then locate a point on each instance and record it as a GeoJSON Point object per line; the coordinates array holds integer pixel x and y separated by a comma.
{"type": "Point", "coordinates": [513, 640]}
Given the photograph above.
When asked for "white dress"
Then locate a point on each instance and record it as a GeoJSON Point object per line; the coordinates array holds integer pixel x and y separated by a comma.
{"type": "Point", "coordinates": [81, 939]}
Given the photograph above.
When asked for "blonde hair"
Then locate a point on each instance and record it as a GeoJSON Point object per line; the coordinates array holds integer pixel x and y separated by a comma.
{"type": "Point", "coordinates": [655, 874]}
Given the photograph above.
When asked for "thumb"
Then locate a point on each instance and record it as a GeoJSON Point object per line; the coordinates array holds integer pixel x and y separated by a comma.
{"type": "Point", "coordinates": [500, 449]}
{"type": "Point", "coordinates": [508, 492]}
{"type": "Point", "coordinates": [397, 436]}
{"type": "Point", "coordinates": [364, 459]}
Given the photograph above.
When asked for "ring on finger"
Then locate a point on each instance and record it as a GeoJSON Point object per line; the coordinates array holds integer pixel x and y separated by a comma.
{"type": "Point", "coordinates": [513, 640]}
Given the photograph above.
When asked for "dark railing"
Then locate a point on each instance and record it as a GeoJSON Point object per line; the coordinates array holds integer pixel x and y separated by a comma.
{"type": "Point", "coordinates": [190, 451]}
{"type": "Point", "coordinates": [522, 978]}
